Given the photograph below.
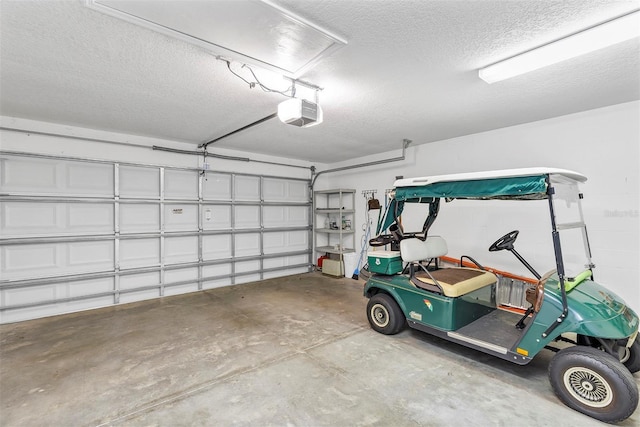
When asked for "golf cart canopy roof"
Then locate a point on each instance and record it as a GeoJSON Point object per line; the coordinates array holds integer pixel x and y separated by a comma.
{"type": "Point", "coordinates": [526, 183]}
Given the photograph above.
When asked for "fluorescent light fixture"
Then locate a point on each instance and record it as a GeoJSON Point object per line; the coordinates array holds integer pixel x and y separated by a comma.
{"type": "Point", "coordinates": [589, 40]}
{"type": "Point", "coordinates": [300, 112]}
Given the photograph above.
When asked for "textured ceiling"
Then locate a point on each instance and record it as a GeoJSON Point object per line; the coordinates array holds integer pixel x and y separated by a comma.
{"type": "Point", "coordinates": [409, 71]}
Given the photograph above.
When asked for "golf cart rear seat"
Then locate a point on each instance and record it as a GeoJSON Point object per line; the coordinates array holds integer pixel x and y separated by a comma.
{"type": "Point", "coordinates": [451, 282]}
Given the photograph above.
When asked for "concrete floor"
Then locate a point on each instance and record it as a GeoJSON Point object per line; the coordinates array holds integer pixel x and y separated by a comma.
{"type": "Point", "coordinates": [288, 351]}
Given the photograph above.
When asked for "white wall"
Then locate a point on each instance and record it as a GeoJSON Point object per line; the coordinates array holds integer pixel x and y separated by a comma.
{"type": "Point", "coordinates": [602, 144]}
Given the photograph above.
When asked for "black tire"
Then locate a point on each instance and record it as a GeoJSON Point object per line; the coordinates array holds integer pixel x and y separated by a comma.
{"type": "Point", "coordinates": [594, 383]}
{"type": "Point", "coordinates": [384, 314]}
{"type": "Point", "coordinates": [631, 357]}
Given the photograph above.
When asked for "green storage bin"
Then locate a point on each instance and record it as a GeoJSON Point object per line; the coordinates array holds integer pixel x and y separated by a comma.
{"type": "Point", "coordinates": [385, 262]}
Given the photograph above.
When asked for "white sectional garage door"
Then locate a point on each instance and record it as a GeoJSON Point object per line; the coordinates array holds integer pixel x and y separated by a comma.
{"type": "Point", "coordinates": [79, 234]}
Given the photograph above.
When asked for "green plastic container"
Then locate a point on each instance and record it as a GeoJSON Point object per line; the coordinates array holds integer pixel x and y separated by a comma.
{"type": "Point", "coordinates": [385, 262]}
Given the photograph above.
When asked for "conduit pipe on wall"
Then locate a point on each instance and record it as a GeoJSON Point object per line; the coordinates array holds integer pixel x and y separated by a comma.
{"type": "Point", "coordinates": [405, 144]}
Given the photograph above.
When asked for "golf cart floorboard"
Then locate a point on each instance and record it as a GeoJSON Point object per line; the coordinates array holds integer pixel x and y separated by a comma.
{"type": "Point", "coordinates": [497, 327]}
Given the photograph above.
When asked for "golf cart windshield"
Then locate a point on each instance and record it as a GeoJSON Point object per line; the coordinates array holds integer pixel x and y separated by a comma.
{"type": "Point", "coordinates": [569, 223]}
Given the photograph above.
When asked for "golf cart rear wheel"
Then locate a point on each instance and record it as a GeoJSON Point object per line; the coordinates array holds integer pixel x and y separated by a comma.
{"type": "Point", "coordinates": [384, 314]}
{"type": "Point", "coordinates": [594, 383]}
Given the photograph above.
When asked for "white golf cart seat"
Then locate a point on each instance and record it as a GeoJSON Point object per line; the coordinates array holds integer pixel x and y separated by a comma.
{"type": "Point", "coordinates": [452, 282]}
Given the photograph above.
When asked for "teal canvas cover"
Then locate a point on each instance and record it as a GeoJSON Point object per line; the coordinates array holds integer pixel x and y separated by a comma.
{"type": "Point", "coordinates": [521, 187]}
{"type": "Point", "coordinates": [510, 188]}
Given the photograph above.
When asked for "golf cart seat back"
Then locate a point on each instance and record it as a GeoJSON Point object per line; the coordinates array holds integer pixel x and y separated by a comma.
{"type": "Point", "coordinates": [451, 282]}
{"type": "Point", "coordinates": [415, 250]}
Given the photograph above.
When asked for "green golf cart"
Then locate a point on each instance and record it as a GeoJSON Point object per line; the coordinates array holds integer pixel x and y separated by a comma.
{"type": "Point", "coordinates": [591, 329]}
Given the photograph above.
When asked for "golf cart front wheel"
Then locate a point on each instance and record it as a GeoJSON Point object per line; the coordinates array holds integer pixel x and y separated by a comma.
{"type": "Point", "coordinates": [384, 314]}
{"type": "Point", "coordinates": [594, 383]}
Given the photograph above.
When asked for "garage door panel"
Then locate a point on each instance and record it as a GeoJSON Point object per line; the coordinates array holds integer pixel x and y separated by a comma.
{"type": "Point", "coordinates": [53, 259]}
{"type": "Point", "coordinates": [297, 191]}
{"type": "Point", "coordinates": [42, 218]}
{"type": "Point", "coordinates": [31, 294]}
{"type": "Point", "coordinates": [281, 190]}
{"type": "Point", "coordinates": [139, 253]}
{"type": "Point", "coordinates": [274, 216]}
{"type": "Point", "coordinates": [297, 215]}
{"type": "Point", "coordinates": [216, 270]}
{"type": "Point", "coordinates": [247, 188]}
{"type": "Point", "coordinates": [90, 256]}
{"type": "Point", "coordinates": [216, 217]}
{"type": "Point", "coordinates": [216, 247]}
{"type": "Point", "coordinates": [247, 217]}
{"type": "Point", "coordinates": [285, 216]}
{"type": "Point", "coordinates": [139, 182]}
{"type": "Point", "coordinates": [180, 184]}
{"type": "Point", "coordinates": [45, 293]}
{"type": "Point", "coordinates": [275, 242]}
{"type": "Point", "coordinates": [245, 266]}
{"type": "Point", "coordinates": [89, 217]}
{"type": "Point", "coordinates": [29, 219]}
{"type": "Point", "coordinates": [182, 274]}
{"type": "Point", "coordinates": [182, 217]}
{"type": "Point", "coordinates": [247, 244]}
{"type": "Point", "coordinates": [95, 180]}
{"type": "Point", "coordinates": [287, 241]}
{"type": "Point", "coordinates": [135, 281]}
{"type": "Point", "coordinates": [24, 261]}
{"type": "Point", "coordinates": [89, 287]}
{"type": "Point", "coordinates": [62, 178]}
{"type": "Point", "coordinates": [139, 217]}
{"type": "Point", "coordinates": [283, 262]}
{"type": "Point", "coordinates": [33, 176]}
{"type": "Point", "coordinates": [174, 276]}
{"type": "Point", "coordinates": [274, 190]}
{"type": "Point", "coordinates": [216, 187]}
{"type": "Point", "coordinates": [181, 249]}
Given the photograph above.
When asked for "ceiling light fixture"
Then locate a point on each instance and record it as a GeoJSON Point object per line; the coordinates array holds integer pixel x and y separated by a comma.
{"type": "Point", "coordinates": [600, 36]}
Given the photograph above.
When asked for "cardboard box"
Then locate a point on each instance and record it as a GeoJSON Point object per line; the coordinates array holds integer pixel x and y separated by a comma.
{"type": "Point", "coordinates": [385, 262]}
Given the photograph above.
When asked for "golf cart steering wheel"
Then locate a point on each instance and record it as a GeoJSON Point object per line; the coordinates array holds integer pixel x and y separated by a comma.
{"type": "Point", "coordinates": [505, 242]}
